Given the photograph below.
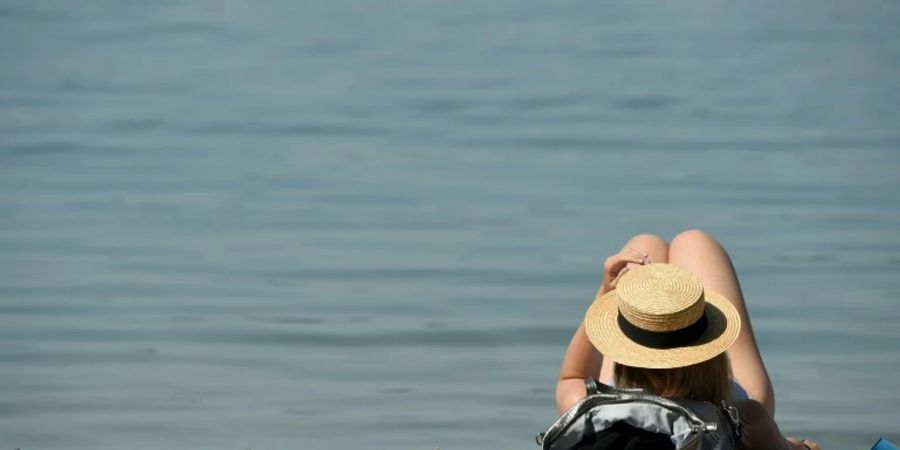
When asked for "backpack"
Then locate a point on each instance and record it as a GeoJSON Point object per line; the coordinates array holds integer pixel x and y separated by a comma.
{"type": "Point", "coordinates": [613, 418]}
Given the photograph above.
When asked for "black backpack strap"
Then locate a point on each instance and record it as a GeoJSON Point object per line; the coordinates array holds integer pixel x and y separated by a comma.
{"type": "Point", "coordinates": [591, 386]}
{"type": "Point", "coordinates": [734, 418]}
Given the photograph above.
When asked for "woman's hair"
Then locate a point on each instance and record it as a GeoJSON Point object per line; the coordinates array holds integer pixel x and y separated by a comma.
{"type": "Point", "coordinates": [708, 381]}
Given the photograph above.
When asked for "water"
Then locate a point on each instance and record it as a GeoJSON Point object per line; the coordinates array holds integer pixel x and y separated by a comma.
{"type": "Point", "coordinates": [321, 225]}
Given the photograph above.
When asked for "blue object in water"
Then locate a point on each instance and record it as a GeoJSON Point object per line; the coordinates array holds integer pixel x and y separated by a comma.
{"type": "Point", "coordinates": [883, 444]}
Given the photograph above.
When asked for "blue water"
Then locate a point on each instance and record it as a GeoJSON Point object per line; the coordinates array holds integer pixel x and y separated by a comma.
{"type": "Point", "coordinates": [329, 225]}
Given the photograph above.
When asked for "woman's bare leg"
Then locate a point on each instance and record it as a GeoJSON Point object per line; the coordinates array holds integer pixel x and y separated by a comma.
{"type": "Point", "coordinates": [699, 253]}
{"type": "Point", "coordinates": [658, 250]}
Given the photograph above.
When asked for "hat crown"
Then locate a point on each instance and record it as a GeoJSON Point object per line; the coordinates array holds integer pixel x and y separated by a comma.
{"type": "Point", "coordinates": [660, 297]}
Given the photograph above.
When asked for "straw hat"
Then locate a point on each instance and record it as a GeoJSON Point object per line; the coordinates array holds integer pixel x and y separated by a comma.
{"type": "Point", "coordinates": [659, 317]}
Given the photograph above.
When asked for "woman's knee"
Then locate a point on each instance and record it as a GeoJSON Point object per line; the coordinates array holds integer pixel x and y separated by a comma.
{"type": "Point", "coordinates": [694, 237]}
{"type": "Point", "coordinates": [649, 240]}
{"type": "Point", "coordinates": [650, 244]}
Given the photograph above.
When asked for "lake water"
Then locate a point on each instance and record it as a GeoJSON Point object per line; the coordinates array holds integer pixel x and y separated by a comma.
{"type": "Point", "coordinates": [333, 225]}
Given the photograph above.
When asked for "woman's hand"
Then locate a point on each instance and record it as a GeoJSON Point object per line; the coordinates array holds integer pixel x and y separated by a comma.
{"type": "Point", "coordinates": [616, 266]}
{"type": "Point", "coordinates": [803, 444]}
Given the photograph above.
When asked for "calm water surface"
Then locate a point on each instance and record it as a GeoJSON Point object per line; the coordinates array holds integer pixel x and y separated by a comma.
{"type": "Point", "coordinates": [324, 225]}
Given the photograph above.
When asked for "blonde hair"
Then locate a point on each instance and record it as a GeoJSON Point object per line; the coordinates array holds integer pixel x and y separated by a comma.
{"type": "Point", "coordinates": [708, 381]}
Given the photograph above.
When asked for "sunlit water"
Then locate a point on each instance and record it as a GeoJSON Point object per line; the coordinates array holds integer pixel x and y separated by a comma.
{"type": "Point", "coordinates": [272, 225]}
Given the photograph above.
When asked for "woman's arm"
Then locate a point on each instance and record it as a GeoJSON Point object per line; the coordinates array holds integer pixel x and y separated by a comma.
{"type": "Point", "coordinates": [582, 360]}
{"type": "Point", "coordinates": [759, 430]}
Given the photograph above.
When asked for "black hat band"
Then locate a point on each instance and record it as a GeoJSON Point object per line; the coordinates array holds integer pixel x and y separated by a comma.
{"type": "Point", "coordinates": [664, 339]}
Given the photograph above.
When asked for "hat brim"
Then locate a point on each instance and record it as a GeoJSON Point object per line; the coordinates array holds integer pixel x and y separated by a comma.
{"type": "Point", "coordinates": [601, 325]}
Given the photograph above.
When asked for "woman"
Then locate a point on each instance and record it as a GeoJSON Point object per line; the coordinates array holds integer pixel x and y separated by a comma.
{"type": "Point", "coordinates": [737, 374]}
